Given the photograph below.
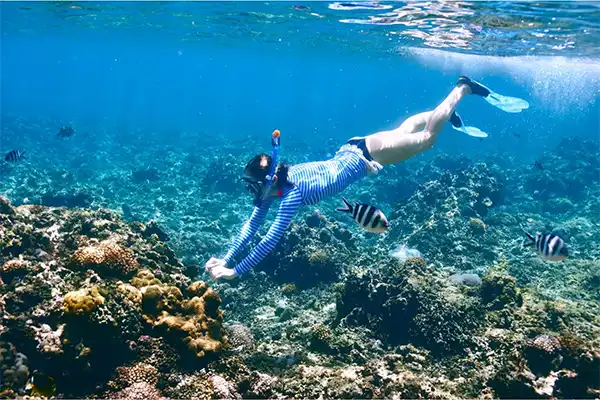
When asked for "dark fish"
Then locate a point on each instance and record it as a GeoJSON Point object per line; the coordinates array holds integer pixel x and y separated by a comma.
{"type": "Point", "coordinates": [300, 7]}
{"type": "Point", "coordinates": [66, 131]}
{"type": "Point", "coordinates": [42, 384]}
{"type": "Point", "coordinates": [368, 217]}
{"type": "Point", "coordinates": [538, 165]}
{"type": "Point", "coordinates": [548, 246]}
{"type": "Point", "coordinates": [517, 135]}
{"type": "Point", "coordinates": [14, 155]}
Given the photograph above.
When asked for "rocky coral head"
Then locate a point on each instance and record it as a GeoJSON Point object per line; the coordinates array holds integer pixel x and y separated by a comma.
{"type": "Point", "coordinates": [108, 257]}
{"type": "Point", "coordinates": [543, 353]}
{"type": "Point", "coordinates": [195, 322]}
{"type": "Point", "coordinates": [546, 343]}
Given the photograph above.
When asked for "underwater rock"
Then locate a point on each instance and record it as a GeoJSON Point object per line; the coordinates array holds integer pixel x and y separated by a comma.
{"type": "Point", "coordinates": [306, 258]}
{"type": "Point", "coordinates": [152, 228]}
{"type": "Point", "coordinates": [466, 279]}
{"type": "Point", "coordinates": [498, 291]}
{"type": "Point", "coordinates": [13, 367]}
{"type": "Point", "coordinates": [574, 163]}
{"type": "Point", "coordinates": [432, 315]}
{"type": "Point", "coordinates": [543, 354]}
{"type": "Point", "coordinates": [6, 207]}
{"type": "Point", "coordinates": [444, 218]}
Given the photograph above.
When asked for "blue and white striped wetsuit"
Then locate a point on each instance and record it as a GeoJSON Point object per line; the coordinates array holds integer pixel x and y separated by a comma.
{"type": "Point", "coordinates": [312, 182]}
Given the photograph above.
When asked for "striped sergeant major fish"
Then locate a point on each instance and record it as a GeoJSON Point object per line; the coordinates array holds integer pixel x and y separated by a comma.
{"type": "Point", "coordinates": [368, 217]}
{"type": "Point", "coordinates": [14, 155]}
{"type": "Point", "coordinates": [548, 246]}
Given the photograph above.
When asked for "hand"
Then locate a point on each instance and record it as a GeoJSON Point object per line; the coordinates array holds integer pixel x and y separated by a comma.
{"type": "Point", "coordinates": [217, 269]}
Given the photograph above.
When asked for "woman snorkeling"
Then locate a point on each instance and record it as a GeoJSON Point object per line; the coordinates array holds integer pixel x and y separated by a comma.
{"type": "Point", "coordinates": [309, 183]}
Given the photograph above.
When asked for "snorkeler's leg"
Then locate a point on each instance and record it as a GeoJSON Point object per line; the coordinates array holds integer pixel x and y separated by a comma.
{"type": "Point", "coordinates": [415, 123]}
{"type": "Point", "coordinates": [390, 147]}
{"type": "Point", "coordinates": [442, 113]}
{"type": "Point", "coordinates": [412, 124]}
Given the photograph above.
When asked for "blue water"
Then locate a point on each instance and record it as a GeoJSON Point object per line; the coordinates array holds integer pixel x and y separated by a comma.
{"type": "Point", "coordinates": [56, 66]}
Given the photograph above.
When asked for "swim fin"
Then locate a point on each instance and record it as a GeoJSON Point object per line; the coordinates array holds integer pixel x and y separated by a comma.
{"type": "Point", "coordinates": [458, 125]}
{"type": "Point", "coordinates": [505, 103]}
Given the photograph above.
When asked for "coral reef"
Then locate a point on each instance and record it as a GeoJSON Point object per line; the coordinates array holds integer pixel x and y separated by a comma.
{"type": "Point", "coordinates": [109, 310]}
{"type": "Point", "coordinates": [70, 299]}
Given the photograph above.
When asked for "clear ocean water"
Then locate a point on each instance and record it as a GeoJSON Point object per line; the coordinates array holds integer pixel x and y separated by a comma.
{"type": "Point", "coordinates": [314, 72]}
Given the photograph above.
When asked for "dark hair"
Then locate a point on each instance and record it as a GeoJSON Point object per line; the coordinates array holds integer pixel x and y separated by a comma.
{"type": "Point", "coordinates": [258, 168]}
{"type": "Point", "coordinates": [255, 170]}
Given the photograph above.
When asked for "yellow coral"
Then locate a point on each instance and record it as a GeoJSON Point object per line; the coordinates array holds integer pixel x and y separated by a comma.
{"type": "Point", "coordinates": [144, 278]}
{"type": "Point", "coordinates": [157, 298]}
{"type": "Point", "coordinates": [198, 288]}
{"type": "Point", "coordinates": [477, 225]}
{"type": "Point", "coordinates": [82, 301]}
{"type": "Point", "coordinates": [320, 333]}
{"type": "Point", "coordinates": [289, 288]}
{"type": "Point", "coordinates": [197, 322]}
{"type": "Point", "coordinates": [416, 263]}
{"type": "Point", "coordinates": [108, 254]}
{"type": "Point", "coordinates": [131, 292]}
{"type": "Point", "coordinates": [317, 257]}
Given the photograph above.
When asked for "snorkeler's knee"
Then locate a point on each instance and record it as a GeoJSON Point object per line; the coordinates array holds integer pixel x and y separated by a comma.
{"type": "Point", "coordinates": [427, 141]}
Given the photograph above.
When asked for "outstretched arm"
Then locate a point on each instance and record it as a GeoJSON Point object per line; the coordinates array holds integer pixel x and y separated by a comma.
{"type": "Point", "coordinates": [248, 230]}
{"type": "Point", "coordinates": [287, 209]}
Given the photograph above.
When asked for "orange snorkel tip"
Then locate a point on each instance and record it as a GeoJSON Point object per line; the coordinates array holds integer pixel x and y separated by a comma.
{"type": "Point", "coordinates": [276, 133]}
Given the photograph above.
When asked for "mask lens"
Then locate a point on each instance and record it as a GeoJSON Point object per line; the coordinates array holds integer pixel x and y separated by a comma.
{"type": "Point", "coordinates": [252, 186]}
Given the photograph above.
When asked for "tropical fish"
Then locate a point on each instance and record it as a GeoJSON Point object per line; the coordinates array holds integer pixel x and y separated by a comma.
{"type": "Point", "coordinates": [14, 155]}
{"type": "Point", "coordinates": [42, 384]}
{"type": "Point", "coordinates": [368, 217]}
{"type": "Point", "coordinates": [66, 131]}
{"type": "Point", "coordinates": [550, 247]}
{"type": "Point", "coordinates": [538, 165]}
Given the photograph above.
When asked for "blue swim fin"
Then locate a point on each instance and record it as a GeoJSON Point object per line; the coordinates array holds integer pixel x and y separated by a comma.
{"type": "Point", "coordinates": [505, 103]}
{"type": "Point", "coordinates": [458, 125]}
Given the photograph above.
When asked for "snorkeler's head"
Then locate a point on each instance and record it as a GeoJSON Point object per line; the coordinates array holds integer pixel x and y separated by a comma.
{"type": "Point", "coordinates": [256, 172]}
{"type": "Point", "coordinates": [258, 167]}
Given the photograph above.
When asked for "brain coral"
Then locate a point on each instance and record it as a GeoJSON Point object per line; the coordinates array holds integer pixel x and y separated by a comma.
{"type": "Point", "coordinates": [106, 256]}
{"type": "Point", "coordinates": [82, 301]}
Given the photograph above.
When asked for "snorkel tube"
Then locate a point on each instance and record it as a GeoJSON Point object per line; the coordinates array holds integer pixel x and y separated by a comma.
{"type": "Point", "coordinates": [274, 156]}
